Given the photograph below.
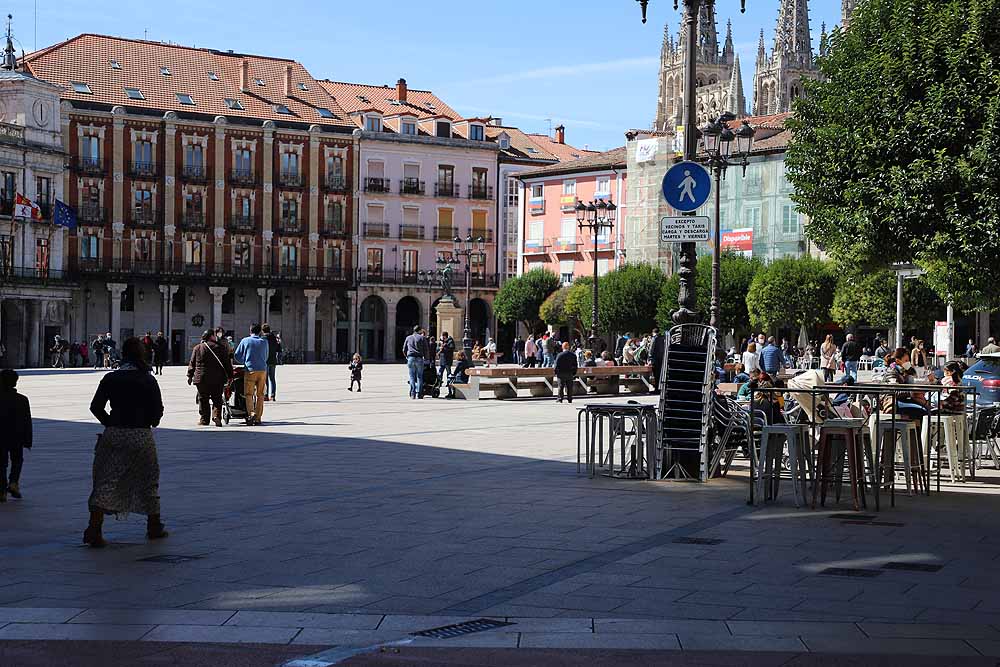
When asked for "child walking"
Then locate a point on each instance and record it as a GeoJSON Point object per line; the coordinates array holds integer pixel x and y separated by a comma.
{"type": "Point", "coordinates": [355, 367]}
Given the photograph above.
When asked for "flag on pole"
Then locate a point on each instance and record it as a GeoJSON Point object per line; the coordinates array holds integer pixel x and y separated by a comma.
{"type": "Point", "coordinates": [64, 216]}
{"type": "Point", "coordinates": [25, 208]}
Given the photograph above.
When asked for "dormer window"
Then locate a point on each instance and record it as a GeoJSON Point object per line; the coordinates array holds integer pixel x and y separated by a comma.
{"type": "Point", "coordinates": [282, 109]}
{"type": "Point", "coordinates": [408, 126]}
{"type": "Point", "coordinates": [443, 129]}
{"type": "Point", "coordinates": [477, 132]}
{"type": "Point", "coordinates": [504, 141]}
{"type": "Point", "coordinates": [80, 87]}
{"type": "Point", "coordinates": [324, 112]}
{"type": "Point", "coordinates": [303, 86]}
{"type": "Point", "coordinates": [259, 82]}
{"type": "Point", "coordinates": [134, 94]}
{"type": "Point", "coordinates": [212, 76]}
{"type": "Point", "coordinates": [115, 64]}
{"type": "Point", "coordinates": [185, 98]}
{"type": "Point", "coordinates": [373, 123]}
{"type": "Point", "coordinates": [234, 104]}
{"type": "Point", "coordinates": [165, 71]}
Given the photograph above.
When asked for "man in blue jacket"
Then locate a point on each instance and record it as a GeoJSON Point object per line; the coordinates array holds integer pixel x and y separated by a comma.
{"type": "Point", "coordinates": [771, 358]}
{"type": "Point", "coordinates": [252, 353]}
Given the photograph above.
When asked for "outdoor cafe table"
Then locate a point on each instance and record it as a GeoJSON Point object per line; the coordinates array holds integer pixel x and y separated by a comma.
{"type": "Point", "coordinates": [877, 391]}
{"type": "Point", "coordinates": [588, 421]}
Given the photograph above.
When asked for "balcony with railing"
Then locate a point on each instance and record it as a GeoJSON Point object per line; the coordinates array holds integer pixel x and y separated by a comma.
{"type": "Point", "coordinates": [89, 165]}
{"type": "Point", "coordinates": [377, 185]}
{"type": "Point", "coordinates": [445, 234]}
{"type": "Point", "coordinates": [326, 273]}
{"type": "Point", "coordinates": [289, 226]}
{"type": "Point", "coordinates": [89, 264]}
{"type": "Point", "coordinates": [412, 232]}
{"type": "Point", "coordinates": [485, 234]}
{"type": "Point", "coordinates": [194, 173]}
{"type": "Point", "coordinates": [412, 186]}
{"type": "Point", "coordinates": [289, 271]}
{"type": "Point", "coordinates": [333, 230]}
{"type": "Point", "coordinates": [145, 267]}
{"type": "Point", "coordinates": [193, 221]}
{"type": "Point", "coordinates": [485, 280]}
{"type": "Point", "coordinates": [481, 192]}
{"type": "Point", "coordinates": [145, 219]}
{"type": "Point", "coordinates": [242, 177]}
{"type": "Point", "coordinates": [243, 223]}
{"type": "Point", "coordinates": [376, 230]}
{"type": "Point", "coordinates": [290, 179]}
{"type": "Point", "coordinates": [444, 189]}
{"type": "Point", "coordinates": [91, 214]}
{"type": "Point", "coordinates": [139, 169]}
{"type": "Point", "coordinates": [564, 245]}
{"type": "Point", "coordinates": [194, 268]}
{"type": "Point", "coordinates": [335, 183]}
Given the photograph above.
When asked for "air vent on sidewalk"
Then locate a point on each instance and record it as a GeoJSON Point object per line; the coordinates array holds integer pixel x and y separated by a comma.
{"type": "Point", "coordinates": [459, 629]}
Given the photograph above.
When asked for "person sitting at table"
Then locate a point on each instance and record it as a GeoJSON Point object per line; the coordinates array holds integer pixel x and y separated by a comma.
{"type": "Point", "coordinates": [588, 359]}
{"type": "Point", "coordinates": [768, 402]}
{"type": "Point", "coordinates": [741, 374]}
{"type": "Point", "coordinates": [607, 359]}
{"type": "Point", "coordinates": [911, 406]}
{"type": "Point", "coordinates": [743, 394]}
{"type": "Point", "coordinates": [460, 374]}
{"type": "Point", "coordinates": [952, 402]}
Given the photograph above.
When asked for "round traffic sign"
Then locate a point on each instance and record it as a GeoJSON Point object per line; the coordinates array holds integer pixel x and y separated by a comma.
{"type": "Point", "coordinates": [686, 186]}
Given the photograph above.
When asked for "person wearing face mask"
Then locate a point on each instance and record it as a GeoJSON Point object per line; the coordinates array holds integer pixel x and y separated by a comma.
{"type": "Point", "coordinates": [919, 358]}
{"type": "Point", "coordinates": [900, 370]}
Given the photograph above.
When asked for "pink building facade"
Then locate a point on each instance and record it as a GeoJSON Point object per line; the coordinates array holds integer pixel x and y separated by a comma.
{"type": "Point", "coordinates": [550, 236]}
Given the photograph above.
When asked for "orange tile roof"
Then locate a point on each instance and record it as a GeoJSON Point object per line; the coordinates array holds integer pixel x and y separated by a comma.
{"type": "Point", "coordinates": [87, 59]}
{"type": "Point", "coordinates": [349, 96]}
{"type": "Point", "coordinates": [615, 158]}
{"type": "Point", "coordinates": [521, 145]}
{"type": "Point", "coordinates": [562, 152]}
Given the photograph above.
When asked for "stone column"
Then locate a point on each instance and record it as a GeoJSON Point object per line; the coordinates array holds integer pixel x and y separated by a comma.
{"type": "Point", "coordinates": [314, 163]}
{"type": "Point", "coordinates": [352, 322]}
{"type": "Point", "coordinates": [169, 185]}
{"type": "Point", "coordinates": [220, 191]}
{"type": "Point", "coordinates": [217, 293]}
{"type": "Point", "coordinates": [390, 331]}
{"type": "Point", "coordinates": [311, 296]}
{"type": "Point", "coordinates": [265, 294]}
{"type": "Point", "coordinates": [33, 315]}
{"type": "Point", "coordinates": [116, 290]}
{"type": "Point", "coordinates": [267, 175]}
{"type": "Point", "coordinates": [118, 168]}
{"type": "Point", "coordinates": [334, 321]}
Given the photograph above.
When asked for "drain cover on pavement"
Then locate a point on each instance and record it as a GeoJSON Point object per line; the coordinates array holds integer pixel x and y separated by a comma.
{"type": "Point", "coordinates": [698, 540]}
{"type": "Point", "coordinates": [850, 572]}
{"type": "Point", "coordinates": [459, 629]}
{"type": "Point", "coordinates": [168, 558]}
{"type": "Point", "coordinates": [913, 567]}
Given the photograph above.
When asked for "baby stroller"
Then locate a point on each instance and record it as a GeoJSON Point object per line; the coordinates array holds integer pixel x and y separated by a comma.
{"type": "Point", "coordinates": [234, 402]}
{"type": "Point", "coordinates": [432, 382]}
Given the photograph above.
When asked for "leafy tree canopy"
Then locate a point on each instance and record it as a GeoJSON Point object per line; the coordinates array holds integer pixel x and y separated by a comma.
{"type": "Point", "coordinates": [736, 273]}
{"type": "Point", "coordinates": [627, 299]}
{"type": "Point", "coordinates": [896, 152]}
{"type": "Point", "coordinates": [871, 299]}
{"type": "Point", "coordinates": [520, 298]}
{"type": "Point", "coordinates": [791, 291]}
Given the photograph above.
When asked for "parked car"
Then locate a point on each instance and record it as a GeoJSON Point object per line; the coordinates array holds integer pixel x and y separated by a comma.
{"type": "Point", "coordinates": [985, 375]}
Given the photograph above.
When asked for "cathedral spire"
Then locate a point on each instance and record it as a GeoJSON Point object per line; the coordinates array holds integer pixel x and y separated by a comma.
{"type": "Point", "coordinates": [846, 9]}
{"type": "Point", "coordinates": [735, 101]}
{"type": "Point", "coordinates": [728, 50]}
{"type": "Point", "coordinates": [708, 36]}
{"type": "Point", "coordinates": [824, 40]}
{"type": "Point", "coordinates": [791, 35]}
{"type": "Point", "coordinates": [761, 50]}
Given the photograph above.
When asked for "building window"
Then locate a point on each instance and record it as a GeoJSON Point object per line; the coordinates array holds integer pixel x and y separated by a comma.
{"type": "Point", "coordinates": [477, 132]}
{"type": "Point", "coordinates": [80, 87]}
{"type": "Point", "coordinates": [334, 215]}
{"type": "Point", "coordinates": [569, 187]}
{"type": "Point", "coordinates": [537, 191]}
{"type": "Point", "coordinates": [789, 219]}
{"type": "Point", "coordinates": [289, 257]}
{"type": "Point", "coordinates": [603, 267]}
{"type": "Point", "coordinates": [142, 157]}
{"type": "Point", "coordinates": [277, 299]}
{"type": "Point", "coordinates": [179, 302]}
{"type": "Point", "coordinates": [566, 269]}
{"type": "Point", "coordinates": [333, 258]}
{"type": "Point", "coordinates": [241, 254]}
{"type": "Point", "coordinates": [504, 142]}
{"type": "Point", "coordinates": [374, 260]}
{"type": "Point", "coordinates": [234, 104]}
{"type": "Point", "coordinates": [289, 211]}
{"type": "Point", "coordinates": [143, 204]}
{"type": "Point", "coordinates": [446, 180]}
{"type": "Point", "coordinates": [536, 230]}
{"type": "Point", "coordinates": [479, 225]}
{"type": "Point", "coordinates": [477, 266]}
{"type": "Point", "coordinates": [134, 94]}
{"type": "Point", "coordinates": [43, 194]}
{"type": "Point", "coordinates": [185, 98]}
{"type": "Point", "coordinates": [446, 224]}
{"type": "Point", "coordinates": [193, 204]}
{"type": "Point", "coordinates": [443, 129]}
{"type": "Point", "coordinates": [567, 230]}
{"type": "Point", "coordinates": [142, 250]}
{"type": "Point", "coordinates": [243, 163]}
{"type": "Point", "coordinates": [410, 262]}
{"type": "Point", "coordinates": [193, 252]}
{"type": "Point", "coordinates": [373, 123]}
{"type": "Point", "coordinates": [603, 186]}
{"type": "Point", "coordinates": [335, 168]}
{"type": "Point", "coordinates": [90, 151]}
{"type": "Point", "coordinates": [409, 127]}
{"type": "Point", "coordinates": [289, 165]}
{"type": "Point", "coordinates": [244, 206]}
{"type": "Point", "coordinates": [324, 112]}
{"type": "Point", "coordinates": [479, 179]}
{"type": "Point", "coordinates": [751, 217]}
{"type": "Point", "coordinates": [42, 256]}
{"type": "Point", "coordinates": [194, 159]}
{"type": "Point", "coordinates": [89, 247]}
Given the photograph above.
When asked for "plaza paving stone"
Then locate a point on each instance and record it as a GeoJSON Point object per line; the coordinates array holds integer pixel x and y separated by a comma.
{"type": "Point", "coordinates": [354, 519]}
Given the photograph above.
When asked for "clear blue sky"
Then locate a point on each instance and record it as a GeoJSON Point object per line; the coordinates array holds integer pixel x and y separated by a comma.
{"type": "Point", "coordinates": [589, 64]}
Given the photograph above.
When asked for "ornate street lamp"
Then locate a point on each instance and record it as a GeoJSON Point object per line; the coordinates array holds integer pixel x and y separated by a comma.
{"type": "Point", "coordinates": [717, 140]}
{"type": "Point", "coordinates": [469, 249]}
{"type": "Point", "coordinates": [595, 217]}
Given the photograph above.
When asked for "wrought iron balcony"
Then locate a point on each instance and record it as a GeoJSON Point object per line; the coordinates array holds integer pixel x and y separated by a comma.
{"type": "Point", "coordinates": [376, 185]}
{"type": "Point", "coordinates": [413, 232]}
{"type": "Point", "coordinates": [242, 177]}
{"type": "Point", "coordinates": [145, 267]}
{"type": "Point", "coordinates": [242, 223]}
{"type": "Point", "coordinates": [289, 227]}
{"type": "Point", "coordinates": [91, 214]}
{"type": "Point", "coordinates": [412, 186]}
{"type": "Point", "coordinates": [89, 264]}
{"type": "Point", "coordinates": [442, 189]}
{"type": "Point", "coordinates": [333, 230]}
{"type": "Point", "coordinates": [193, 221]}
{"type": "Point", "coordinates": [144, 218]}
{"type": "Point", "coordinates": [290, 179]}
{"type": "Point", "coordinates": [142, 169]}
{"type": "Point", "coordinates": [326, 273]}
{"type": "Point", "coordinates": [289, 270]}
{"type": "Point", "coordinates": [446, 234]}
{"type": "Point", "coordinates": [335, 184]}
{"type": "Point", "coordinates": [194, 269]}
{"type": "Point", "coordinates": [194, 173]}
{"type": "Point", "coordinates": [480, 192]}
{"type": "Point", "coordinates": [89, 165]}
{"type": "Point", "coordinates": [376, 230]}
{"type": "Point", "coordinates": [485, 234]}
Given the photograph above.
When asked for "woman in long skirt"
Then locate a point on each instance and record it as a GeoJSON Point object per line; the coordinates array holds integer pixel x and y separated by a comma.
{"type": "Point", "coordinates": [126, 471]}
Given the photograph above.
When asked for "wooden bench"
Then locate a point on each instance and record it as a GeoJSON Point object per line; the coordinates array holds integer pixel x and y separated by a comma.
{"type": "Point", "coordinates": [506, 381]}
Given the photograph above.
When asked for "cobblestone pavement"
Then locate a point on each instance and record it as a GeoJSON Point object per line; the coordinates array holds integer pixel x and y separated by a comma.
{"type": "Point", "coordinates": [351, 520]}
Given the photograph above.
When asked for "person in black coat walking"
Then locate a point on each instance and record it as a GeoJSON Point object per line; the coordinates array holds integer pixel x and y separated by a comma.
{"type": "Point", "coordinates": [446, 355]}
{"type": "Point", "coordinates": [566, 366]}
{"type": "Point", "coordinates": [657, 352]}
{"type": "Point", "coordinates": [15, 415]}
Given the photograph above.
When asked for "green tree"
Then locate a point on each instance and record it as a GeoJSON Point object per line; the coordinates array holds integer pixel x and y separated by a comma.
{"type": "Point", "coordinates": [791, 292]}
{"type": "Point", "coordinates": [627, 299]}
{"type": "Point", "coordinates": [520, 298]}
{"type": "Point", "coordinates": [871, 299]}
{"type": "Point", "coordinates": [579, 298]}
{"type": "Point", "coordinates": [736, 273]}
{"type": "Point", "coordinates": [554, 312]}
{"type": "Point", "coordinates": [895, 152]}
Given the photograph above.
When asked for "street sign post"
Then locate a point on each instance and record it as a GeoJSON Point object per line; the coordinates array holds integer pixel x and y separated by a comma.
{"type": "Point", "coordinates": [684, 228]}
{"type": "Point", "coordinates": [686, 186]}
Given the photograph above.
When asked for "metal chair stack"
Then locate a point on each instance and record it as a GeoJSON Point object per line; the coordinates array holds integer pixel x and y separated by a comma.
{"type": "Point", "coordinates": [686, 393]}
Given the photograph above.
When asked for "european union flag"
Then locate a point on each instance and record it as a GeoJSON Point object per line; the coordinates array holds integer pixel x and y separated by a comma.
{"type": "Point", "coordinates": [64, 216]}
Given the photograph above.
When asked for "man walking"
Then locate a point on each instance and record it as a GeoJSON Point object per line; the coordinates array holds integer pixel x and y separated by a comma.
{"type": "Point", "coordinates": [551, 350]}
{"type": "Point", "coordinates": [415, 350]}
{"type": "Point", "coordinates": [566, 366]}
{"type": "Point", "coordinates": [530, 350]}
{"type": "Point", "coordinates": [657, 352]}
{"type": "Point", "coordinates": [15, 413]}
{"type": "Point", "coordinates": [98, 348]}
{"type": "Point", "coordinates": [252, 353]}
{"type": "Point", "coordinates": [58, 351]}
{"type": "Point", "coordinates": [518, 350]}
{"type": "Point", "coordinates": [209, 370]}
{"type": "Point", "coordinates": [446, 355]}
{"type": "Point", "coordinates": [851, 354]}
{"type": "Point", "coordinates": [273, 350]}
{"type": "Point", "coordinates": [771, 359]}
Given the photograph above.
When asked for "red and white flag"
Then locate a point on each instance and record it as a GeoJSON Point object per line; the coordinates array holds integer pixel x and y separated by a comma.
{"type": "Point", "coordinates": [25, 208]}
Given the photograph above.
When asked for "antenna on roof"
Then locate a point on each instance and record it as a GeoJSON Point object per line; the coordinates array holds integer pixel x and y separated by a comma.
{"type": "Point", "coordinates": [9, 59]}
{"type": "Point", "coordinates": [145, 33]}
{"type": "Point", "coordinates": [549, 121]}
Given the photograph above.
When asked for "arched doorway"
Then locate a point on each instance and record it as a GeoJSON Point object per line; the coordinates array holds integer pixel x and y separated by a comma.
{"type": "Point", "coordinates": [407, 317]}
{"type": "Point", "coordinates": [479, 320]}
{"type": "Point", "coordinates": [371, 328]}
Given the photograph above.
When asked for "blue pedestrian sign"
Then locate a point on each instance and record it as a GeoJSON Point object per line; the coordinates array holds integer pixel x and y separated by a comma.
{"type": "Point", "coordinates": [686, 186]}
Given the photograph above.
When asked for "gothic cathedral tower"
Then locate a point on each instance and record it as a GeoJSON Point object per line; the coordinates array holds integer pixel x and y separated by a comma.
{"type": "Point", "coordinates": [720, 84]}
{"type": "Point", "coordinates": [846, 9]}
{"type": "Point", "coordinates": [778, 80]}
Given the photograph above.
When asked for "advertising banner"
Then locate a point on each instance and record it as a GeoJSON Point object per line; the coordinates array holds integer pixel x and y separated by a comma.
{"type": "Point", "coordinates": [739, 241]}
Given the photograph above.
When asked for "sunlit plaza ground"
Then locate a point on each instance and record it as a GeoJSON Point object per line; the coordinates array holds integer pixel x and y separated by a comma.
{"type": "Point", "coordinates": [349, 520]}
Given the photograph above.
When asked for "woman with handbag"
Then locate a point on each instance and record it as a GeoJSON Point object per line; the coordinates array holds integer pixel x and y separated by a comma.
{"type": "Point", "coordinates": [209, 370]}
{"type": "Point", "coordinates": [828, 353]}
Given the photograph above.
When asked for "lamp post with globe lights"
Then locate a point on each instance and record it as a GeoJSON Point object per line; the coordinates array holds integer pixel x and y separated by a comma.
{"type": "Point", "coordinates": [595, 217]}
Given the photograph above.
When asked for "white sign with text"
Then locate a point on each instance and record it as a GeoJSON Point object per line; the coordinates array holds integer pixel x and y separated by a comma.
{"type": "Point", "coordinates": [684, 228]}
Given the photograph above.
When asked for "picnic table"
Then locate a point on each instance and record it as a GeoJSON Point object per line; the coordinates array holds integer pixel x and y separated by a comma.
{"type": "Point", "coordinates": [508, 381]}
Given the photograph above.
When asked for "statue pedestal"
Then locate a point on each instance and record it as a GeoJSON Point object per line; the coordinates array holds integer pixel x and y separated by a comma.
{"type": "Point", "coordinates": [449, 318]}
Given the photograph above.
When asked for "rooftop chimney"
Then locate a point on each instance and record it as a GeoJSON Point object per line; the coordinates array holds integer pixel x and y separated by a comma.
{"type": "Point", "coordinates": [497, 122]}
{"type": "Point", "coordinates": [561, 134]}
{"type": "Point", "coordinates": [288, 80]}
{"type": "Point", "coordinates": [401, 90]}
{"type": "Point", "coordinates": [245, 75]}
